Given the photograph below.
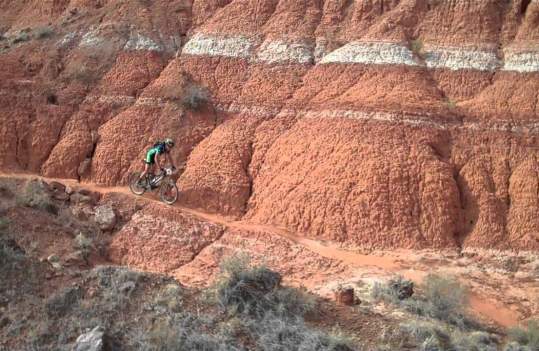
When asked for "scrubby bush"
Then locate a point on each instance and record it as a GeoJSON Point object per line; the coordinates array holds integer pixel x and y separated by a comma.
{"type": "Point", "coordinates": [195, 97]}
{"type": "Point", "coordinates": [4, 225]}
{"type": "Point", "coordinates": [21, 37]}
{"type": "Point", "coordinates": [43, 33]}
{"type": "Point", "coordinates": [274, 333]}
{"type": "Point", "coordinates": [395, 290]}
{"type": "Point", "coordinates": [58, 305]}
{"type": "Point", "coordinates": [442, 298]}
{"type": "Point", "coordinates": [35, 196]}
{"type": "Point", "coordinates": [84, 245]}
{"type": "Point", "coordinates": [515, 346]}
{"type": "Point", "coordinates": [527, 336]}
{"type": "Point", "coordinates": [256, 291]}
{"type": "Point", "coordinates": [9, 256]}
{"type": "Point", "coordinates": [416, 46]}
{"type": "Point", "coordinates": [183, 332]}
{"type": "Point", "coordinates": [436, 336]}
{"type": "Point", "coordinates": [451, 104]}
{"type": "Point", "coordinates": [474, 341]}
{"type": "Point", "coordinates": [427, 336]}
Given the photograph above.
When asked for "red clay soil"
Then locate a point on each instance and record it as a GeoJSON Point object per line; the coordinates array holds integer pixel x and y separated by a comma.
{"type": "Point", "coordinates": [431, 167]}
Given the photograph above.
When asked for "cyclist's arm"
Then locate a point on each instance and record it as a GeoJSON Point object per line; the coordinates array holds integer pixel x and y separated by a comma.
{"type": "Point", "coordinates": [169, 158]}
{"type": "Point", "coordinates": [157, 161]}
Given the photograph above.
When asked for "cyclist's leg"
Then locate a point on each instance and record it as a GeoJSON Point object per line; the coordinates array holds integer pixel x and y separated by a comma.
{"type": "Point", "coordinates": [149, 161]}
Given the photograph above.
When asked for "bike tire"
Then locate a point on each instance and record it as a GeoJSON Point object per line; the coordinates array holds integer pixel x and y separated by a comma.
{"type": "Point", "coordinates": [133, 184]}
{"type": "Point", "coordinates": [168, 192]}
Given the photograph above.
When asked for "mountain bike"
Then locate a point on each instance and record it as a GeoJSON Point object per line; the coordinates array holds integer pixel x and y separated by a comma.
{"type": "Point", "coordinates": [168, 191]}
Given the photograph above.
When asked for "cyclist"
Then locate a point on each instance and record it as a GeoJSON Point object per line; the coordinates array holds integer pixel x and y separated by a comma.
{"type": "Point", "coordinates": [153, 157]}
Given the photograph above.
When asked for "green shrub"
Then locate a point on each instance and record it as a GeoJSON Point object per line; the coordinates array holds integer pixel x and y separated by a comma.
{"type": "Point", "coordinates": [474, 341]}
{"type": "Point", "coordinates": [527, 336]}
{"type": "Point", "coordinates": [442, 298]}
{"type": "Point", "coordinates": [21, 37]}
{"type": "Point", "coordinates": [272, 333]}
{"type": "Point", "coordinates": [195, 97]}
{"type": "Point", "coordinates": [43, 33]}
{"type": "Point", "coordinates": [393, 291]}
{"type": "Point", "coordinates": [9, 256]}
{"type": "Point", "coordinates": [36, 196]}
{"type": "Point", "coordinates": [256, 290]}
{"type": "Point", "coordinates": [416, 46]}
{"type": "Point", "coordinates": [4, 225]}
{"type": "Point", "coordinates": [515, 346]}
{"type": "Point", "coordinates": [60, 304]}
{"type": "Point", "coordinates": [451, 104]}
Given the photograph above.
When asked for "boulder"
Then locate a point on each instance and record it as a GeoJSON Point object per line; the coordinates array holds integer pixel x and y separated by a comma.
{"type": "Point", "coordinates": [346, 296]}
{"type": "Point", "coordinates": [78, 198]}
{"type": "Point", "coordinates": [91, 341]}
{"type": "Point", "coordinates": [105, 217]}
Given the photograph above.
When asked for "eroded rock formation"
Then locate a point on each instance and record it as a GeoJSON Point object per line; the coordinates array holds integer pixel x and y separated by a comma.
{"type": "Point", "coordinates": [380, 123]}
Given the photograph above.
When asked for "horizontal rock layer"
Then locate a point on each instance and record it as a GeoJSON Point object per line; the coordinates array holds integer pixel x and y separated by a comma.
{"type": "Point", "coordinates": [379, 123]}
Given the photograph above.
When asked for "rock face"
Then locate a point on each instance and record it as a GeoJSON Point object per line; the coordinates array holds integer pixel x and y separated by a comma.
{"type": "Point", "coordinates": [105, 217]}
{"type": "Point", "coordinates": [91, 341]}
{"type": "Point", "coordinates": [381, 124]}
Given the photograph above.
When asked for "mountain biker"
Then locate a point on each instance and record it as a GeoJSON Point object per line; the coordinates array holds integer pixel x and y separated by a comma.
{"type": "Point", "coordinates": [153, 157]}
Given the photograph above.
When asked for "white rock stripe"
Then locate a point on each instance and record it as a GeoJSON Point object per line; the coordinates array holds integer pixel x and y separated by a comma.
{"type": "Point", "coordinates": [459, 58]}
{"type": "Point", "coordinates": [140, 42]}
{"type": "Point", "coordinates": [135, 42]}
{"type": "Point", "coordinates": [282, 52]}
{"type": "Point", "coordinates": [523, 62]}
{"type": "Point", "coordinates": [372, 54]}
{"type": "Point", "coordinates": [360, 52]}
{"type": "Point", "coordinates": [415, 120]}
{"type": "Point", "coordinates": [234, 46]}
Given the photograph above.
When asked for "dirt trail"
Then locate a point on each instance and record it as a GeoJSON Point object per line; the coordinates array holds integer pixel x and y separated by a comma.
{"type": "Point", "coordinates": [480, 304]}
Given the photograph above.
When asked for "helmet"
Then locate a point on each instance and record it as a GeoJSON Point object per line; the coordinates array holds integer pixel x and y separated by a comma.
{"type": "Point", "coordinates": [169, 142]}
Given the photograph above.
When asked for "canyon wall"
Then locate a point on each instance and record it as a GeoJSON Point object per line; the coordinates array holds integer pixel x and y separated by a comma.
{"type": "Point", "coordinates": [376, 123]}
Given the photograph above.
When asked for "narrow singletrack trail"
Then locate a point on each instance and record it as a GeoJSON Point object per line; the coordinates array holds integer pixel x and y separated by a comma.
{"type": "Point", "coordinates": [480, 304]}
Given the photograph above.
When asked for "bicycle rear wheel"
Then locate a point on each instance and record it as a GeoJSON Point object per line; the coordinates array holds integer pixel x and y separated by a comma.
{"type": "Point", "coordinates": [168, 192]}
{"type": "Point", "coordinates": [134, 185]}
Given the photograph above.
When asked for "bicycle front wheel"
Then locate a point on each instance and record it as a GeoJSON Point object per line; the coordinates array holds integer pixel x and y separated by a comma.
{"type": "Point", "coordinates": [168, 192]}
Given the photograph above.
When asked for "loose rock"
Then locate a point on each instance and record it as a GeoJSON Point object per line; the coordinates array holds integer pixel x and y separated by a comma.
{"type": "Point", "coordinates": [91, 341]}
{"type": "Point", "coordinates": [105, 217]}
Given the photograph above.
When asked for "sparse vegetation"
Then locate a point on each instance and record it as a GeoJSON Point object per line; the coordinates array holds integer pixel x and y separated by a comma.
{"type": "Point", "coordinates": [416, 46]}
{"type": "Point", "coordinates": [9, 256]}
{"type": "Point", "coordinates": [435, 336]}
{"type": "Point", "coordinates": [256, 291]}
{"type": "Point", "coordinates": [195, 97]}
{"type": "Point", "coordinates": [43, 33]}
{"type": "Point", "coordinates": [20, 37]}
{"type": "Point", "coordinates": [527, 337]}
{"type": "Point", "coordinates": [187, 93]}
{"type": "Point", "coordinates": [394, 291]}
{"type": "Point", "coordinates": [451, 104]}
{"type": "Point", "coordinates": [442, 298]}
{"type": "Point", "coordinates": [35, 196]}
{"type": "Point", "coordinates": [84, 245]}
{"type": "Point", "coordinates": [4, 224]}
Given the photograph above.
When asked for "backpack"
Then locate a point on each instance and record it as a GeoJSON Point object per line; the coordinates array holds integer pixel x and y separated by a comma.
{"type": "Point", "coordinates": [160, 145]}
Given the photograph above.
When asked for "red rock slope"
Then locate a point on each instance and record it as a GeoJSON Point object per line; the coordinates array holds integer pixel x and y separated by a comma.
{"type": "Point", "coordinates": [379, 123]}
